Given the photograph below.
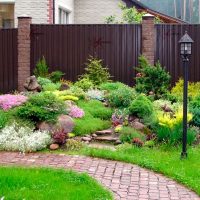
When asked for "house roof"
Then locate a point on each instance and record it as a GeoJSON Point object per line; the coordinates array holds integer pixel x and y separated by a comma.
{"type": "Point", "coordinates": [141, 7]}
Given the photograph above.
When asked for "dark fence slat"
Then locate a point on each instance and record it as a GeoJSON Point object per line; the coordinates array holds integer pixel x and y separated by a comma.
{"type": "Point", "coordinates": [67, 48]}
{"type": "Point", "coordinates": [8, 60]}
{"type": "Point", "coordinates": [168, 50]}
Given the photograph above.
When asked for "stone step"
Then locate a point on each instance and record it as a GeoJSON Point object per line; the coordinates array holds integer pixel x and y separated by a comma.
{"type": "Point", "coordinates": [100, 145]}
{"type": "Point", "coordinates": [105, 132]}
{"type": "Point", "coordinates": [107, 138]}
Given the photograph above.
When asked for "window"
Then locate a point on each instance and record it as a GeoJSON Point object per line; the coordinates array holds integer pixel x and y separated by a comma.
{"type": "Point", "coordinates": [63, 16]}
{"type": "Point", "coordinates": [6, 15]}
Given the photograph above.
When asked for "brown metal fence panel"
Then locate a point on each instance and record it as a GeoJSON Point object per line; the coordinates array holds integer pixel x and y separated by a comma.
{"type": "Point", "coordinates": [168, 50]}
{"type": "Point", "coordinates": [67, 48]}
{"type": "Point", "coordinates": [8, 60]}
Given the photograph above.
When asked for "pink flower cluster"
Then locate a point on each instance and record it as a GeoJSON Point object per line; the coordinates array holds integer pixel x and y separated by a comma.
{"type": "Point", "coordinates": [76, 112]}
{"type": "Point", "coordinates": [9, 101]}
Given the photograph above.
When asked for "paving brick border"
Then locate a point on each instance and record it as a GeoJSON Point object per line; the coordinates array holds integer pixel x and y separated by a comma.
{"type": "Point", "coordinates": [126, 181]}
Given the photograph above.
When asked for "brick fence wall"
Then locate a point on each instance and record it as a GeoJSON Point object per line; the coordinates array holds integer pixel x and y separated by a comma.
{"type": "Point", "coordinates": [24, 45]}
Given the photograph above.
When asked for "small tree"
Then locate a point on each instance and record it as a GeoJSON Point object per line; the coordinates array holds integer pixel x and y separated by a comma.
{"type": "Point", "coordinates": [129, 16]}
{"type": "Point", "coordinates": [41, 69]}
{"type": "Point", "coordinates": [96, 72]}
{"type": "Point", "coordinates": [152, 79]}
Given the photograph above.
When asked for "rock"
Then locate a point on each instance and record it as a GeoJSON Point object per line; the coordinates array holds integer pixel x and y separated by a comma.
{"type": "Point", "coordinates": [54, 146]}
{"type": "Point", "coordinates": [118, 142]}
{"type": "Point", "coordinates": [86, 139]}
{"type": "Point", "coordinates": [105, 104]}
{"type": "Point", "coordinates": [31, 84]}
{"type": "Point", "coordinates": [105, 132]}
{"type": "Point", "coordinates": [132, 118]}
{"type": "Point", "coordinates": [151, 93]}
{"type": "Point", "coordinates": [136, 120]}
{"type": "Point", "coordinates": [107, 138]}
{"type": "Point", "coordinates": [45, 126]}
{"type": "Point", "coordinates": [94, 135]}
{"type": "Point", "coordinates": [86, 142]}
{"type": "Point", "coordinates": [138, 125]}
{"type": "Point", "coordinates": [64, 86]}
{"type": "Point", "coordinates": [64, 123]}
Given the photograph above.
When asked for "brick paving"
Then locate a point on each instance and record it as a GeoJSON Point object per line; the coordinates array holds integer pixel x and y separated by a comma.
{"type": "Point", "coordinates": [126, 181]}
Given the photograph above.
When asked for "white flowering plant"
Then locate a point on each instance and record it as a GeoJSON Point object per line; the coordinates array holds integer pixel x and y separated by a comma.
{"type": "Point", "coordinates": [95, 94]}
{"type": "Point", "coordinates": [22, 138]}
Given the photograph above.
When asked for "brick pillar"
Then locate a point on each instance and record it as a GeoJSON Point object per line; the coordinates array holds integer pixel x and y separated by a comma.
{"type": "Point", "coordinates": [24, 49]}
{"type": "Point", "coordinates": [148, 38]}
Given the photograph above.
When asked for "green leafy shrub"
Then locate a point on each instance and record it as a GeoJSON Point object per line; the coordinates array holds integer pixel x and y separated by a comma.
{"type": "Point", "coordinates": [41, 70]}
{"type": "Point", "coordinates": [195, 109]}
{"type": "Point", "coordinates": [56, 76]}
{"type": "Point", "coordinates": [42, 107]}
{"type": "Point", "coordinates": [96, 72]}
{"type": "Point", "coordinates": [48, 85]}
{"type": "Point", "coordinates": [78, 92]}
{"type": "Point", "coordinates": [151, 79]}
{"type": "Point", "coordinates": [89, 124]}
{"type": "Point", "coordinates": [170, 128]}
{"type": "Point", "coordinates": [73, 145]}
{"type": "Point", "coordinates": [110, 86]}
{"type": "Point", "coordinates": [96, 109]}
{"type": "Point", "coordinates": [121, 97]}
{"type": "Point", "coordinates": [130, 15]}
{"type": "Point", "coordinates": [193, 90]}
{"type": "Point", "coordinates": [174, 134]}
{"type": "Point", "coordinates": [51, 86]}
{"type": "Point", "coordinates": [141, 107]}
{"type": "Point", "coordinates": [3, 119]}
{"type": "Point", "coordinates": [149, 144]}
{"type": "Point", "coordinates": [43, 81]}
{"type": "Point", "coordinates": [84, 83]}
{"type": "Point", "coordinates": [127, 134]}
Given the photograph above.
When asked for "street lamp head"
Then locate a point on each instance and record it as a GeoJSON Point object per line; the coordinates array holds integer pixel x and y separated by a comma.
{"type": "Point", "coordinates": [186, 45]}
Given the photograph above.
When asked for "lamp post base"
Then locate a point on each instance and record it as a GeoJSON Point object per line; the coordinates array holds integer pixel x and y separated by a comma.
{"type": "Point", "coordinates": [184, 155]}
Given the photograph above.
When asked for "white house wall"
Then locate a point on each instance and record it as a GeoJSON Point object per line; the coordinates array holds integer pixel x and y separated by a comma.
{"type": "Point", "coordinates": [37, 9]}
{"type": "Point", "coordinates": [95, 11]}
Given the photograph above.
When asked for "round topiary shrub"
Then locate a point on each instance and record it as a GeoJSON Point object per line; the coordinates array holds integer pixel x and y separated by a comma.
{"type": "Point", "coordinates": [122, 97]}
{"type": "Point", "coordinates": [141, 107]}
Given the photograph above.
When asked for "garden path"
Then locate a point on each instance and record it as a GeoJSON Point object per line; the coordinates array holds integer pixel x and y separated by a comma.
{"type": "Point", "coordinates": [126, 181]}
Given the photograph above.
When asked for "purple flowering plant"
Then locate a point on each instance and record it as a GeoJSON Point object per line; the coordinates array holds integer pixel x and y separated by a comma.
{"type": "Point", "coordinates": [9, 101]}
{"type": "Point", "coordinates": [76, 112]}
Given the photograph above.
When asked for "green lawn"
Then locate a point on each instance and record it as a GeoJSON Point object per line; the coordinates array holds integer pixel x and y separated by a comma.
{"type": "Point", "coordinates": [42, 184]}
{"type": "Point", "coordinates": [165, 160]}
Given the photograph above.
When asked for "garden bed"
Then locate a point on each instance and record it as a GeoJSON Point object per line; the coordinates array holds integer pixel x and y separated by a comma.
{"type": "Point", "coordinates": [56, 113]}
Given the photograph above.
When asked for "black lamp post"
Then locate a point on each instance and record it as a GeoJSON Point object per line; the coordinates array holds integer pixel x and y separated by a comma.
{"type": "Point", "coordinates": [186, 51]}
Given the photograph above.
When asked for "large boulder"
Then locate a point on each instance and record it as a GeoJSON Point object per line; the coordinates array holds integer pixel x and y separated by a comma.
{"type": "Point", "coordinates": [64, 123]}
{"type": "Point", "coordinates": [138, 125]}
{"type": "Point", "coordinates": [32, 85]}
